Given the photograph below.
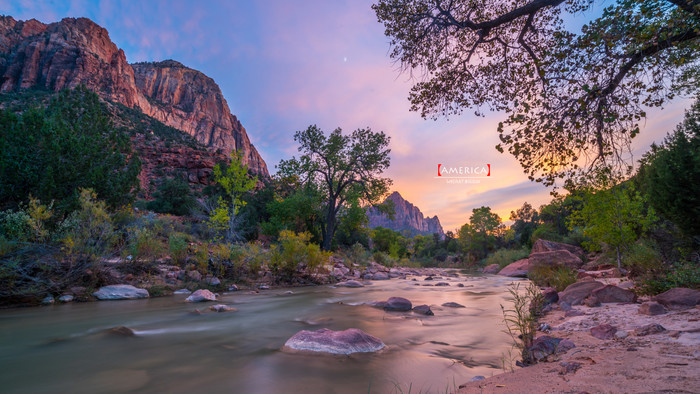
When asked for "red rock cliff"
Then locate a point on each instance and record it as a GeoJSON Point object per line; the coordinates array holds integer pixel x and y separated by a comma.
{"type": "Point", "coordinates": [73, 51]}
{"type": "Point", "coordinates": [407, 217]}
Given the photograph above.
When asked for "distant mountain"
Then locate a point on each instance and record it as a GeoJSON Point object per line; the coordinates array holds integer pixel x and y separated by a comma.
{"type": "Point", "coordinates": [77, 51]}
{"type": "Point", "coordinates": [407, 218]}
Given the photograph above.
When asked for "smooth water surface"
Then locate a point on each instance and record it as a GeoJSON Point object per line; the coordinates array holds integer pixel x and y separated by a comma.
{"type": "Point", "coordinates": [64, 349]}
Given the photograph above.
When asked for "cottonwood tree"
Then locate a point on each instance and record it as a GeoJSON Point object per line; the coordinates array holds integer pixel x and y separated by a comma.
{"type": "Point", "coordinates": [236, 181]}
{"type": "Point", "coordinates": [574, 100]}
{"type": "Point", "coordinates": [343, 167]}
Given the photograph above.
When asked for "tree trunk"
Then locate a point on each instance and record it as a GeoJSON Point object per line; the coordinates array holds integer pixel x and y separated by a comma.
{"type": "Point", "coordinates": [330, 227]}
{"type": "Point", "coordinates": [619, 263]}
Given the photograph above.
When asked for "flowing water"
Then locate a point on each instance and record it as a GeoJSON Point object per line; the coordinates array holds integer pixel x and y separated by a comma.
{"type": "Point", "coordinates": [64, 349]}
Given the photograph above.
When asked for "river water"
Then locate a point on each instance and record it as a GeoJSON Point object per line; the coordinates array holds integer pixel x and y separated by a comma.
{"type": "Point", "coordinates": [64, 349]}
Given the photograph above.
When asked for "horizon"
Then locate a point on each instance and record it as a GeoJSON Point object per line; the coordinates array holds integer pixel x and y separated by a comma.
{"type": "Point", "coordinates": [334, 71]}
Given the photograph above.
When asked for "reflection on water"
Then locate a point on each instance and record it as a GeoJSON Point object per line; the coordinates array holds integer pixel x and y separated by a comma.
{"type": "Point", "coordinates": [65, 348]}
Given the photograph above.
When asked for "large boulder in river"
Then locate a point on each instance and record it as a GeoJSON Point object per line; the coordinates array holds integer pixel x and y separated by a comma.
{"type": "Point", "coordinates": [577, 292]}
{"type": "Point", "coordinates": [201, 295]}
{"type": "Point", "coordinates": [324, 340]}
{"type": "Point", "coordinates": [518, 269]}
{"type": "Point", "coordinates": [542, 245]}
{"type": "Point", "coordinates": [398, 304]}
{"type": "Point", "coordinates": [556, 258]}
{"type": "Point", "coordinates": [678, 298]}
{"type": "Point", "coordinates": [612, 293]}
{"type": "Point", "coordinates": [350, 283]}
{"type": "Point", "coordinates": [492, 269]}
{"type": "Point", "coordinates": [120, 292]}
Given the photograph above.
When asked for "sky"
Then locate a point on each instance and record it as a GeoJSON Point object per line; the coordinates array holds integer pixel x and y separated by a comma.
{"type": "Point", "coordinates": [285, 65]}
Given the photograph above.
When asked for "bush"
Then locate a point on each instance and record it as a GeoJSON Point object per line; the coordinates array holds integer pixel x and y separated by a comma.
{"type": "Point", "coordinates": [15, 225]}
{"type": "Point", "coordinates": [383, 259]}
{"type": "Point", "coordinates": [643, 260]}
{"type": "Point", "coordinates": [88, 232]}
{"type": "Point", "coordinates": [295, 252]}
{"type": "Point", "coordinates": [557, 277]}
{"type": "Point", "coordinates": [684, 274]}
{"type": "Point", "coordinates": [247, 258]}
{"type": "Point", "coordinates": [503, 257]}
{"type": "Point", "coordinates": [143, 244]}
{"type": "Point", "coordinates": [357, 254]}
{"type": "Point", "coordinates": [177, 246]}
{"type": "Point", "coordinates": [173, 196]}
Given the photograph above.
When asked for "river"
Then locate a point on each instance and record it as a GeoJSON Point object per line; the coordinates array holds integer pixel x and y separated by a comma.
{"type": "Point", "coordinates": [64, 349]}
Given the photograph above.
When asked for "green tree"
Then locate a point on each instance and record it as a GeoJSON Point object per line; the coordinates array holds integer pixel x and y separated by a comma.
{"type": "Point", "coordinates": [173, 196]}
{"type": "Point", "coordinates": [479, 235]}
{"type": "Point", "coordinates": [51, 152]}
{"type": "Point", "coordinates": [670, 174]}
{"type": "Point", "coordinates": [235, 182]}
{"type": "Point", "coordinates": [614, 216]}
{"type": "Point", "coordinates": [574, 99]}
{"type": "Point", "coordinates": [525, 220]}
{"type": "Point", "coordinates": [343, 168]}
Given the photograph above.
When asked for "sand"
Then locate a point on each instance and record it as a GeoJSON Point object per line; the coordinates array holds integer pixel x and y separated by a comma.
{"type": "Point", "coordinates": [665, 362]}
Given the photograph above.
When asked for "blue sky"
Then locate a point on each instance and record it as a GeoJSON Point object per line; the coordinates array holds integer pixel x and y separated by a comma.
{"type": "Point", "coordinates": [284, 65]}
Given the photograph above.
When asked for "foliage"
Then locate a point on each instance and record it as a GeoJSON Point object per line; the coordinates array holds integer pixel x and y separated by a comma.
{"type": "Point", "coordinates": [574, 100]}
{"type": "Point", "coordinates": [298, 211]}
{"type": "Point", "coordinates": [235, 181]}
{"type": "Point", "coordinates": [478, 237]}
{"type": "Point", "coordinates": [173, 196]}
{"type": "Point", "coordinates": [294, 252]}
{"type": "Point", "coordinates": [357, 254]}
{"type": "Point", "coordinates": [670, 174]}
{"type": "Point", "coordinates": [88, 232]}
{"type": "Point", "coordinates": [344, 168]}
{"type": "Point", "coordinates": [177, 247]}
{"type": "Point", "coordinates": [643, 260]}
{"type": "Point", "coordinates": [521, 319]}
{"type": "Point", "coordinates": [383, 259]}
{"type": "Point", "coordinates": [614, 216]}
{"type": "Point", "coordinates": [52, 152]}
{"type": "Point", "coordinates": [503, 257]}
{"type": "Point", "coordinates": [390, 242]}
{"type": "Point", "coordinates": [525, 222]}
{"type": "Point", "coordinates": [142, 244]}
{"type": "Point", "coordinates": [685, 274]}
{"type": "Point", "coordinates": [352, 228]}
{"type": "Point", "coordinates": [558, 277]}
{"type": "Point", "coordinates": [15, 225]}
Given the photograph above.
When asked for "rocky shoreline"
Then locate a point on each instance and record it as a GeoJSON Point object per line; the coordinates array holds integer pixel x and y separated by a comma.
{"type": "Point", "coordinates": [635, 347]}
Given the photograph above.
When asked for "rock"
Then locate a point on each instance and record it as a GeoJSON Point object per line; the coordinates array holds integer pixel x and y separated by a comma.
{"type": "Point", "coordinates": [679, 298]}
{"type": "Point", "coordinates": [324, 340]}
{"type": "Point", "coordinates": [380, 276]}
{"type": "Point", "coordinates": [651, 308]}
{"type": "Point", "coordinates": [573, 312]}
{"type": "Point", "coordinates": [555, 258]}
{"type": "Point", "coordinates": [423, 310]}
{"type": "Point", "coordinates": [577, 292]}
{"type": "Point", "coordinates": [182, 291]}
{"type": "Point", "coordinates": [550, 296]}
{"type": "Point", "coordinates": [201, 295]}
{"type": "Point", "coordinates": [121, 331]}
{"type": "Point", "coordinates": [477, 378]}
{"type": "Point", "coordinates": [194, 275]}
{"type": "Point", "coordinates": [621, 334]}
{"type": "Point", "coordinates": [222, 308]}
{"type": "Point", "coordinates": [78, 291]}
{"type": "Point", "coordinates": [568, 367]}
{"type": "Point", "coordinates": [233, 288]}
{"type": "Point", "coordinates": [603, 331]}
{"type": "Point", "coordinates": [48, 300]}
{"type": "Point", "coordinates": [66, 298]}
{"type": "Point", "coordinates": [428, 278]}
{"type": "Point", "coordinates": [406, 217]}
{"type": "Point", "coordinates": [442, 284]}
{"type": "Point", "coordinates": [460, 285]}
{"type": "Point", "coordinates": [213, 281]}
{"type": "Point", "coordinates": [263, 287]}
{"type": "Point", "coordinates": [398, 304]}
{"type": "Point", "coordinates": [545, 346]}
{"type": "Point", "coordinates": [120, 292]}
{"type": "Point", "coordinates": [649, 329]}
{"type": "Point", "coordinates": [453, 305]}
{"type": "Point", "coordinates": [608, 273]}
{"type": "Point", "coordinates": [612, 293]}
{"type": "Point", "coordinates": [565, 306]}
{"type": "Point", "coordinates": [592, 302]}
{"type": "Point", "coordinates": [377, 304]}
{"type": "Point", "coordinates": [518, 269]}
{"type": "Point", "coordinates": [542, 245]}
{"type": "Point", "coordinates": [492, 269]}
{"type": "Point", "coordinates": [350, 283]}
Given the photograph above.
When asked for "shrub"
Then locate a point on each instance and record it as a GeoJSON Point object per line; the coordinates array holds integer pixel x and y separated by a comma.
{"type": "Point", "coordinates": [15, 225]}
{"type": "Point", "coordinates": [357, 254]}
{"type": "Point", "coordinates": [643, 260]}
{"type": "Point", "coordinates": [143, 244]}
{"type": "Point", "coordinates": [294, 252]}
{"type": "Point", "coordinates": [88, 232]}
{"type": "Point", "coordinates": [173, 196]}
{"type": "Point", "coordinates": [383, 259]}
{"type": "Point", "coordinates": [557, 277]}
{"type": "Point", "coordinates": [683, 274]}
{"type": "Point", "coordinates": [521, 320]}
{"type": "Point", "coordinates": [503, 257]}
{"type": "Point", "coordinates": [201, 257]}
{"type": "Point", "coordinates": [248, 257]}
{"type": "Point", "coordinates": [177, 246]}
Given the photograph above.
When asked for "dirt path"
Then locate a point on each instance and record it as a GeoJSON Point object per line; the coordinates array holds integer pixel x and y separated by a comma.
{"type": "Point", "coordinates": [664, 362]}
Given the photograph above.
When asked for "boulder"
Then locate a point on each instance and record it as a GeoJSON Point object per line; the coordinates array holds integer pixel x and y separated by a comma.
{"type": "Point", "coordinates": [380, 276]}
{"type": "Point", "coordinates": [612, 293]}
{"type": "Point", "coordinates": [453, 305]}
{"type": "Point", "coordinates": [350, 283]}
{"type": "Point", "coordinates": [492, 269]}
{"type": "Point", "coordinates": [222, 308]}
{"type": "Point", "coordinates": [603, 331]}
{"type": "Point", "coordinates": [233, 288]}
{"type": "Point", "coordinates": [66, 298]}
{"type": "Point", "coordinates": [48, 300]}
{"type": "Point", "coordinates": [517, 269]}
{"type": "Point", "coordinates": [545, 346]}
{"type": "Point", "coordinates": [120, 292]}
{"type": "Point", "coordinates": [201, 295]}
{"type": "Point", "coordinates": [556, 258]}
{"type": "Point", "coordinates": [608, 273]}
{"type": "Point", "coordinates": [194, 275]}
{"type": "Point", "coordinates": [398, 304]}
{"type": "Point", "coordinates": [423, 310]}
{"type": "Point", "coordinates": [213, 281]}
{"type": "Point", "coordinates": [550, 296]}
{"type": "Point", "coordinates": [577, 292]}
{"type": "Point", "coordinates": [542, 245]}
{"type": "Point", "coordinates": [324, 340]}
{"type": "Point", "coordinates": [121, 331]}
{"type": "Point", "coordinates": [649, 329]}
{"type": "Point", "coordinates": [651, 308]}
{"type": "Point", "coordinates": [442, 284]}
{"type": "Point", "coordinates": [679, 298]}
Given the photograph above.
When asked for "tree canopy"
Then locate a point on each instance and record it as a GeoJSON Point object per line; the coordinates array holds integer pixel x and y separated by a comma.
{"type": "Point", "coordinates": [574, 100]}
{"type": "Point", "coordinates": [343, 167]}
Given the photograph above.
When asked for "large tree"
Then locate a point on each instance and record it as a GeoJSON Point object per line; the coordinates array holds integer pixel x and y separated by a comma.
{"type": "Point", "coordinates": [574, 100]}
{"type": "Point", "coordinates": [343, 167]}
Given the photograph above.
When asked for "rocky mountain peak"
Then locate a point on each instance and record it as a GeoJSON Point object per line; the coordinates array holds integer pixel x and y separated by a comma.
{"type": "Point", "coordinates": [407, 217]}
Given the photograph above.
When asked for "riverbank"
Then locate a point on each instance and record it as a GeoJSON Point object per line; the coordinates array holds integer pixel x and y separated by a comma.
{"type": "Point", "coordinates": [631, 362]}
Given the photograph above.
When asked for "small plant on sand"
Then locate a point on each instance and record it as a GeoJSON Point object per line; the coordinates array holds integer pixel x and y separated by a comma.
{"type": "Point", "coordinates": [521, 318]}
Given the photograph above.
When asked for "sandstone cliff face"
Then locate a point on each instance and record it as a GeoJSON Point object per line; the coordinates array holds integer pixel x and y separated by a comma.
{"type": "Point", "coordinates": [406, 217]}
{"type": "Point", "coordinates": [71, 52]}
